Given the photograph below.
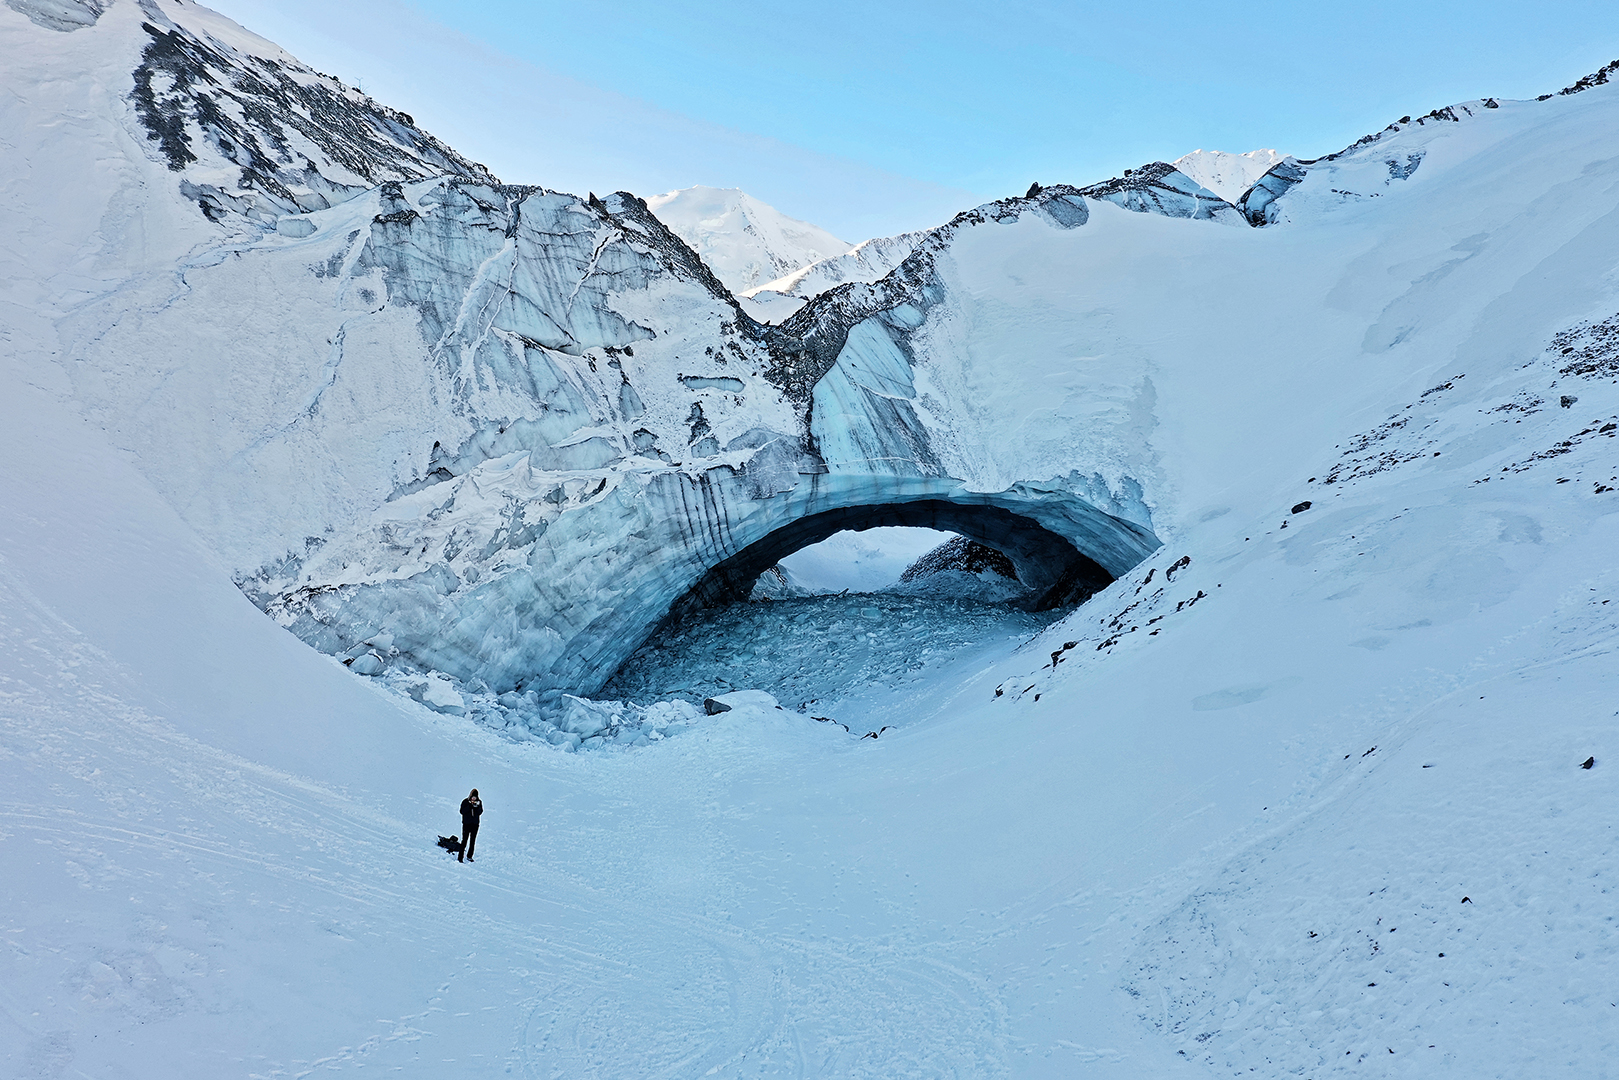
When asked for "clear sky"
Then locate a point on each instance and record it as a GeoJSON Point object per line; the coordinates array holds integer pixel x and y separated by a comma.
{"type": "Point", "coordinates": [872, 118]}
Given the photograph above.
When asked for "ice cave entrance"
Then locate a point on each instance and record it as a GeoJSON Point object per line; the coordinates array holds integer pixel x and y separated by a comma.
{"type": "Point", "coordinates": [861, 616]}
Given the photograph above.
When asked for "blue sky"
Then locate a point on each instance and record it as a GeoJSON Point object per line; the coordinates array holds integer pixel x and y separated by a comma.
{"type": "Point", "coordinates": [874, 118]}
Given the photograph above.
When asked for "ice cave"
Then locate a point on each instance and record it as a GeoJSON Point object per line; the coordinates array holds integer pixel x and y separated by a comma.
{"type": "Point", "coordinates": [1050, 567]}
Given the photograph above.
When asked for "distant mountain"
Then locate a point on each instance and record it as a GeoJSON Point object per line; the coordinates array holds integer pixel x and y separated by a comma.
{"type": "Point", "coordinates": [744, 241]}
{"type": "Point", "coordinates": [869, 261]}
{"type": "Point", "coordinates": [1227, 175]}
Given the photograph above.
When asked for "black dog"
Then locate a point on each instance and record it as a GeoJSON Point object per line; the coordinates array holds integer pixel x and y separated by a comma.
{"type": "Point", "coordinates": [452, 844]}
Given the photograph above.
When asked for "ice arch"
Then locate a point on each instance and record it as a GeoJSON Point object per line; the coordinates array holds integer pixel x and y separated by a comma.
{"type": "Point", "coordinates": [683, 541]}
{"type": "Point", "coordinates": [610, 561]}
{"type": "Point", "coordinates": [1050, 566]}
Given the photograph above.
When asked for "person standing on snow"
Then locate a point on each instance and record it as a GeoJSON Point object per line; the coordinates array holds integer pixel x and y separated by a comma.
{"type": "Point", "coordinates": [471, 810]}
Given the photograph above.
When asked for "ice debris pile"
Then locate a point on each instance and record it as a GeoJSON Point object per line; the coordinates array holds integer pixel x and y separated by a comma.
{"type": "Point", "coordinates": [811, 651]}
{"type": "Point", "coordinates": [564, 720]}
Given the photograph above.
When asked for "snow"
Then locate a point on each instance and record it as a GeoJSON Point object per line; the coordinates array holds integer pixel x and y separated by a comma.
{"type": "Point", "coordinates": [1096, 848]}
{"type": "Point", "coordinates": [871, 260]}
{"type": "Point", "coordinates": [744, 241]}
{"type": "Point", "coordinates": [1227, 175]}
{"type": "Point", "coordinates": [860, 561]}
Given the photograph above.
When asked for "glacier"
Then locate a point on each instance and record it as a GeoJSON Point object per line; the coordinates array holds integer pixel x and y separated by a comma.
{"type": "Point", "coordinates": [1299, 791]}
{"type": "Point", "coordinates": [583, 384]}
{"type": "Point", "coordinates": [588, 433]}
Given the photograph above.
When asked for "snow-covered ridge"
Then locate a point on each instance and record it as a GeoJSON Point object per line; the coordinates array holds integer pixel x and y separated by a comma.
{"type": "Point", "coordinates": [1156, 188]}
{"type": "Point", "coordinates": [868, 261]}
{"type": "Point", "coordinates": [1178, 188]}
{"type": "Point", "coordinates": [1227, 175]}
{"type": "Point", "coordinates": [744, 241]}
{"type": "Point", "coordinates": [257, 134]}
{"type": "Point", "coordinates": [1160, 188]}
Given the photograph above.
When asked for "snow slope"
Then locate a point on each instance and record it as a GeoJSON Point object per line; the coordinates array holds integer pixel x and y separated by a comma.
{"type": "Point", "coordinates": [1226, 174]}
{"type": "Point", "coordinates": [744, 241]}
{"type": "Point", "coordinates": [1220, 820]}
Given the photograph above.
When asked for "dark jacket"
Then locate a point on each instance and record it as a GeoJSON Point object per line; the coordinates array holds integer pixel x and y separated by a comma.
{"type": "Point", "coordinates": [471, 809]}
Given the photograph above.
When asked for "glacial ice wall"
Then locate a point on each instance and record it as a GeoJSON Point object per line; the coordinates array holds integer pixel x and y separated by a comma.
{"type": "Point", "coordinates": [505, 430]}
{"type": "Point", "coordinates": [441, 425]}
{"type": "Point", "coordinates": [665, 434]}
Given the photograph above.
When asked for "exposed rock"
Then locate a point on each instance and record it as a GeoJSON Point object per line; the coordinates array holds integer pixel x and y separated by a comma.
{"type": "Point", "coordinates": [961, 554]}
{"type": "Point", "coordinates": [1160, 188]}
{"type": "Point", "coordinates": [293, 140]}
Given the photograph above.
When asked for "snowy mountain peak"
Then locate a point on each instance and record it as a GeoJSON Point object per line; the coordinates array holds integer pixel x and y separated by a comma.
{"type": "Point", "coordinates": [1227, 175]}
{"type": "Point", "coordinates": [744, 241]}
{"type": "Point", "coordinates": [253, 134]}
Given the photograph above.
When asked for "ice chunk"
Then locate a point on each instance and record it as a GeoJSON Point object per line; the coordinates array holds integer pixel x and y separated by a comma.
{"type": "Point", "coordinates": [437, 692]}
{"type": "Point", "coordinates": [368, 663]}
